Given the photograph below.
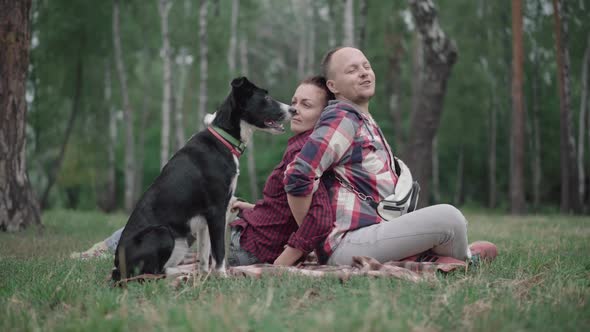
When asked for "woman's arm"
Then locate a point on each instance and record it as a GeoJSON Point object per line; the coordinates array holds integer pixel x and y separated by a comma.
{"type": "Point", "coordinates": [299, 206]}
{"type": "Point", "coordinates": [289, 256]}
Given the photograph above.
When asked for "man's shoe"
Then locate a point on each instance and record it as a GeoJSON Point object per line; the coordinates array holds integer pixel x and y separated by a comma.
{"type": "Point", "coordinates": [482, 251]}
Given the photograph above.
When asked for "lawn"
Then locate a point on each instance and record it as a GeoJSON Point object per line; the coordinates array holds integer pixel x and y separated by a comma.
{"type": "Point", "coordinates": [539, 282]}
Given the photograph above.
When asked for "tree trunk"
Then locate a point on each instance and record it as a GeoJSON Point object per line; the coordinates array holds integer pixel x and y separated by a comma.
{"type": "Point", "coordinates": [299, 8]}
{"type": "Point", "coordinates": [109, 196]}
{"type": "Point", "coordinates": [583, 124]}
{"type": "Point", "coordinates": [492, 150]}
{"type": "Point", "coordinates": [363, 11]}
{"type": "Point", "coordinates": [330, 26]}
{"type": "Point", "coordinates": [484, 12]}
{"type": "Point", "coordinates": [569, 190]}
{"type": "Point", "coordinates": [536, 135]}
{"type": "Point", "coordinates": [164, 9]}
{"type": "Point", "coordinates": [179, 100]}
{"type": "Point", "coordinates": [459, 197]}
{"type": "Point", "coordinates": [311, 68]}
{"type": "Point", "coordinates": [54, 171]}
{"type": "Point", "coordinates": [393, 83]}
{"type": "Point", "coordinates": [348, 24]}
{"type": "Point", "coordinates": [252, 177]}
{"type": "Point", "coordinates": [18, 206]}
{"type": "Point", "coordinates": [233, 39]}
{"type": "Point", "coordinates": [440, 53]}
{"type": "Point", "coordinates": [144, 119]}
{"type": "Point", "coordinates": [128, 116]}
{"type": "Point", "coordinates": [517, 203]}
{"type": "Point", "coordinates": [435, 172]}
{"type": "Point", "coordinates": [417, 70]}
{"type": "Point", "coordinates": [203, 54]}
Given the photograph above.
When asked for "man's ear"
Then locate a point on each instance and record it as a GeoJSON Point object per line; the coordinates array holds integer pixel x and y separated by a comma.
{"type": "Point", "coordinates": [331, 86]}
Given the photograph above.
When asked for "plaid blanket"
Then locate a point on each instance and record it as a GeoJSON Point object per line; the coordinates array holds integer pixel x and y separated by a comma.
{"type": "Point", "coordinates": [362, 266]}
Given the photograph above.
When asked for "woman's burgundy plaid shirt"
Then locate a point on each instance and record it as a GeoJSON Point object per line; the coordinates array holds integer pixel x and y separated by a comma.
{"type": "Point", "coordinates": [270, 224]}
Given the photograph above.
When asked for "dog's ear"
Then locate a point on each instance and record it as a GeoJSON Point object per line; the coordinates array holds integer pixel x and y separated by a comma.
{"type": "Point", "coordinates": [242, 89]}
{"type": "Point", "coordinates": [238, 82]}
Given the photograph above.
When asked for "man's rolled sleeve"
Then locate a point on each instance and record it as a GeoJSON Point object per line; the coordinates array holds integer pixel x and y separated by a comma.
{"type": "Point", "coordinates": [331, 138]}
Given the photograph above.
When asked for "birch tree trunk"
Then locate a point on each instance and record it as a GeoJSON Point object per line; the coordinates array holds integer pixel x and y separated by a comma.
{"type": "Point", "coordinates": [144, 119]}
{"type": "Point", "coordinates": [54, 171]}
{"type": "Point", "coordinates": [182, 65]}
{"type": "Point", "coordinates": [299, 7]}
{"type": "Point", "coordinates": [348, 24]}
{"type": "Point", "coordinates": [440, 53]}
{"type": "Point", "coordinates": [203, 54]}
{"type": "Point", "coordinates": [311, 40]}
{"type": "Point", "coordinates": [110, 197]}
{"type": "Point", "coordinates": [583, 124]}
{"type": "Point", "coordinates": [18, 205]}
{"type": "Point", "coordinates": [517, 203]}
{"type": "Point", "coordinates": [252, 177]}
{"type": "Point", "coordinates": [128, 116]}
{"type": "Point", "coordinates": [330, 26]}
{"type": "Point", "coordinates": [233, 39]}
{"type": "Point", "coordinates": [569, 190]}
{"type": "Point", "coordinates": [164, 10]}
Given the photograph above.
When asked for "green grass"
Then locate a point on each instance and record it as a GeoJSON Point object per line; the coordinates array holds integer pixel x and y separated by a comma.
{"type": "Point", "coordinates": [540, 282]}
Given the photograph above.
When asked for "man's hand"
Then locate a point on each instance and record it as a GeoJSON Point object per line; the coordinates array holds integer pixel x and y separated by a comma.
{"type": "Point", "coordinates": [289, 256]}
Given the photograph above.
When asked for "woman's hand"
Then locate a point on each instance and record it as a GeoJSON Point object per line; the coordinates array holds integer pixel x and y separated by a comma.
{"type": "Point", "coordinates": [289, 256]}
{"type": "Point", "coordinates": [241, 205]}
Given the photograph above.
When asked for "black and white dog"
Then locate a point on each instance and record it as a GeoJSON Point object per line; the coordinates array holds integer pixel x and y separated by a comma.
{"type": "Point", "coordinates": [193, 191]}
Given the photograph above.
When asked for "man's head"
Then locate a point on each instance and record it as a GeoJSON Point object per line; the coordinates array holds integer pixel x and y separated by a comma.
{"type": "Point", "coordinates": [349, 75]}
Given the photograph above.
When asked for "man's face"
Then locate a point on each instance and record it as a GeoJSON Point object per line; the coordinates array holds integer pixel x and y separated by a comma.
{"type": "Point", "coordinates": [351, 76]}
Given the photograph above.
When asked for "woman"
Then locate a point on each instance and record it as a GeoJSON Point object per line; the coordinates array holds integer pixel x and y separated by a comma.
{"type": "Point", "coordinates": [267, 229]}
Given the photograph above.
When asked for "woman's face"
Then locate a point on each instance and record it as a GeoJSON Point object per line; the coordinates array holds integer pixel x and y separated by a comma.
{"type": "Point", "coordinates": [309, 101]}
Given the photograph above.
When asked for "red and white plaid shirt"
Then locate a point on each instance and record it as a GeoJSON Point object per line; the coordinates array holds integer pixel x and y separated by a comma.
{"type": "Point", "coordinates": [349, 143]}
{"type": "Point", "coordinates": [270, 224]}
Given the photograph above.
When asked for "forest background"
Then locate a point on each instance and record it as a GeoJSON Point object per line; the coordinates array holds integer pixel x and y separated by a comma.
{"type": "Point", "coordinates": [115, 88]}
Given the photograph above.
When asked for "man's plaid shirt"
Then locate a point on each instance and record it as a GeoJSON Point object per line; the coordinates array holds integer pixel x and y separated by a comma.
{"type": "Point", "coordinates": [348, 143]}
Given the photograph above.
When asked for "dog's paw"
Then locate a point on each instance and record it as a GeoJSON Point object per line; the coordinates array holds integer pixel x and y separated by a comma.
{"type": "Point", "coordinates": [222, 272]}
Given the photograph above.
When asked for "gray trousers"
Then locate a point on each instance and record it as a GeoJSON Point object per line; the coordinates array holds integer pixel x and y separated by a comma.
{"type": "Point", "coordinates": [237, 255]}
{"type": "Point", "coordinates": [439, 228]}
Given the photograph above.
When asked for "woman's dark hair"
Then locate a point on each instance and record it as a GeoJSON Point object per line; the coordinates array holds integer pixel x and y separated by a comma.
{"type": "Point", "coordinates": [320, 82]}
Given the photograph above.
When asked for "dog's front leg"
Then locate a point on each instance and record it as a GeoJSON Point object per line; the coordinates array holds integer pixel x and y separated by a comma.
{"type": "Point", "coordinates": [217, 234]}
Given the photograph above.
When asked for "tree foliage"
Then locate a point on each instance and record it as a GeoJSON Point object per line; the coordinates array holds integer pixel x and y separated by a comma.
{"type": "Point", "coordinates": [480, 81]}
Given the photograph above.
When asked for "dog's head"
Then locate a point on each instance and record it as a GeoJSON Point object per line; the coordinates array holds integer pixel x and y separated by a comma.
{"type": "Point", "coordinates": [257, 108]}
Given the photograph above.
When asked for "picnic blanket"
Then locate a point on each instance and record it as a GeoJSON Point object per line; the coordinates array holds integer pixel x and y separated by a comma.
{"type": "Point", "coordinates": [411, 271]}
